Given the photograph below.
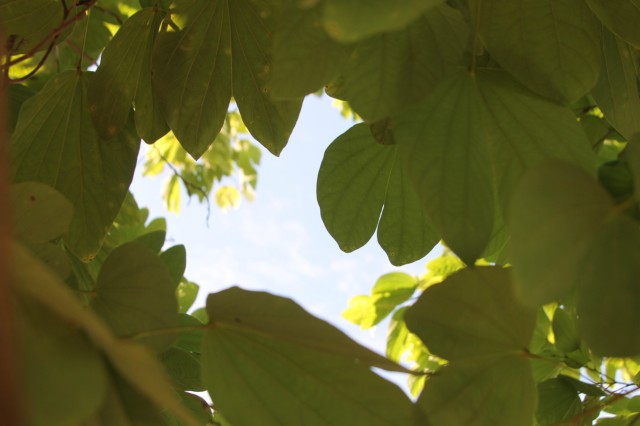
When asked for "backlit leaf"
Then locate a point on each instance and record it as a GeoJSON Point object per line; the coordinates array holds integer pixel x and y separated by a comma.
{"type": "Point", "coordinates": [617, 90]}
{"type": "Point", "coordinates": [558, 401]}
{"type": "Point", "coordinates": [355, 20]}
{"type": "Point", "coordinates": [551, 46]}
{"type": "Point", "coordinates": [134, 293]}
{"type": "Point", "coordinates": [55, 143]}
{"type": "Point", "coordinates": [481, 391]}
{"type": "Point", "coordinates": [473, 312]}
{"type": "Point", "coordinates": [622, 17]}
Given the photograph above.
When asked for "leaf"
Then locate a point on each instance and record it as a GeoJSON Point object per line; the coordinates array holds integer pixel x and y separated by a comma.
{"type": "Point", "coordinates": [565, 331]}
{"type": "Point", "coordinates": [620, 16]}
{"type": "Point", "coordinates": [186, 292]}
{"type": "Point", "coordinates": [285, 382]}
{"type": "Point", "coordinates": [388, 72]}
{"type": "Point", "coordinates": [123, 66]}
{"type": "Point", "coordinates": [557, 401]}
{"type": "Point", "coordinates": [388, 292]}
{"type": "Point", "coordinates": [183, 368]}
{"type": "Point", "coordinates": [39, 212]}
{"type": "Point", "coordinates": [304, 57]}
{"type": "Point", "coordinates": [281, 319]}
{"type": "Point", "coordinates": [142, 370]}
{"type": "Point", "coordinates": [355, 20]}
{"type": "Point", "coordinates": [190, 340]}
{"type": "Point", "coordinates": [472, 313]}
{"type": "Point", "coordinates": [134, 294]}
{"type": "Point", "coordinates": [63, 374]}
{"type": "Point", "coordinates": [352, 184]}
{"type": "Point", "coordinates": [153, 240]}
{"type": "Point", "coordinates": [554, 216]}
{"type": "Point", "coordinates": [474, 136]}
{"type": "Point", "coordinates": [607, 301]}
{"type": "Point", "coordinates": [397, 336]}
{"type": "Point", "coordinates": [55, 143]}
{"type": "Point", "coordinates": [220, 49]}
{"type": "Point", "coordinates": [29, 21]}
{"type": "Point", "coordinates": [175, 260]}
{"type": "Point", "coordinates": [550, 46]}
{"type": "Point", "coordinates": [488, 390]}
{"type": "Point", "coordinates": [617, 90]}
{"type": "Point", "coordinates": [357, 176]}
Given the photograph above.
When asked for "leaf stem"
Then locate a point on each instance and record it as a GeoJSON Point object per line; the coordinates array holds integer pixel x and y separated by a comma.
{"type": "Point", "coordinates": [166, 330]}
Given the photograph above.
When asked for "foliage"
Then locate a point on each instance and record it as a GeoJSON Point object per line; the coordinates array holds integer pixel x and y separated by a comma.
{"type": "Point", "coordinates": [507, 130]}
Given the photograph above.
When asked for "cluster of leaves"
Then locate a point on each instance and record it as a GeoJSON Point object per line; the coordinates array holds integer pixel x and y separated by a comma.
{"type": "Point", "coordinates": [505, 129]}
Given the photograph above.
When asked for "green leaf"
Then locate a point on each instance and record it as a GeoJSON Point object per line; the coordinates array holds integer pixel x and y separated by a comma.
{"type": "Point", "coordinates": [565, 331]}
{"type": "Point", "coordinates": [304, 57]}
{"type": "Point", "coordinates": [64, 375]}
{"type": "Point", "coordinates": [175, 260]}
{"type": "Point", "coordinates": [355, 20]}
{"type": "Point", "coordinates": [55, 143]}
{"type": "Point", "coordinates": [30, 21]}
{"type": "Point", "coordinates": [134, 294]}
{"type": "Point", "coordinates": [54, 257]}
{"type": "Point", "coordinates": [388, 72]}
{"type": "Point", "coordinates": [388, 292]}
{"type": "Point", "coordinates": [186, 292]}
{"type": "Point", "coordinates": [554, 215]}
{"type": "Point", "coordinates": [557, 401]}
{"type": "Point", "coordinates": [622, 17]}
{"type": "Point", "coordinates": [220, 49]}
{"type": "Point", "coordinates": [488, 390]}
{"type": "Point", "coordinates": [617, 90]}
{"type": "Point", "coordinates": [357, 176]}
{"type": "Point", "coordinates": [352, 184]}
{"type": "Point", "coordinates": [397, 336]}
{"type": "Point", "coordinates": [607, 301]}
{"type": "Point", "coordinates": [39, 213]}
{"type": "Point", "coordinates": [474, 136]}
{"type": "Point", "coordinates": [142, 370]}
{"type": "Point", "coordinates": [153, 240]}
{"type": "Point", "coordinates": [550, 46]}
{"type": "Point", "coordinates": [281, 319]}
{"type": "Point", "coordinates": [123, 66]}
{"type": "Point", "coordinates": [285, 382]}
{"type": "Point", "coordinates": [190, 340]}
{"type": "Point", "coordinates": [473, 312]}
{"type": "Point", "coordinates": [183, 368]}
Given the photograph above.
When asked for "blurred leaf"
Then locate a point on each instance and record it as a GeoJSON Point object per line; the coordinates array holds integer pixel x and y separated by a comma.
{"type": "Point", "coordinates": [620, 16]}
{"type": "Point", "coordinates": [175, 260]}
{"type": "Point", "coordinates": [557, 401]}
{"type": "Point", "coordinates": [565, 331]}
{"type": "Point", "coordinates": [186, 292]}
{"type": "Point", "coordinates": [183, 368]}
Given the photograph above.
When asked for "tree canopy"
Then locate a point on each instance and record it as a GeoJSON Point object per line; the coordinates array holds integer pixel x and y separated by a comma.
{"type": "Point", "coordinates": [507, 130]}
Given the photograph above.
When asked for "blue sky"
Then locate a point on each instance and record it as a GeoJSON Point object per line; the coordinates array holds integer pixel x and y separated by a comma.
{"type": "Point", "coordinates": [278, 242]}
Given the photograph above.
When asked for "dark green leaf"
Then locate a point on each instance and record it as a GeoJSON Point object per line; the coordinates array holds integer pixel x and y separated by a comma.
{"type": "Point", "coordinates": [551, 46]}
{"type": "Point", "coordinates": [355, 20]}
{"type": "Point", "coordinates": [175, 260]}
{"type": "Point", "coordinates": [183, 368]}
{"type": "Point", "coordinates": [565, 331]}
{"type": "Point", "coordinates": [55, 143]}
{"type": "Point", "coordinates": [622, 17]}
{"type": "Point", "coordinates": [134, 294]}
{"type": "Point", "coordinates": [220, 49]}
{"type": "Point", "coordinates": [481, 391]}
{"type": "Point", "coordinates": [390, 71]}
{"type": "Point", "coordinates": [153, 240]}
{"type": "Point", "coordinates": [39, 213]}
{"type": "Point", "coordinates": [304, 57]}
{"type": "Point", "coordinates": [617, 90]}
{"type": "Point", "coordinates": [190, 340]}
{"type": "Point", "coordinates": [473, 312]}
{"type": "Point", "coordinates": [30, 22]}
{"type": "Point", "coordinates": [123, 65]}
{"type": "Point", "coordinates": [557, 401]}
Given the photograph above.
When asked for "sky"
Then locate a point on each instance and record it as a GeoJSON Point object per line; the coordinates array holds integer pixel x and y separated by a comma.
{"type": "Point", "coordinates": [278, 243]}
